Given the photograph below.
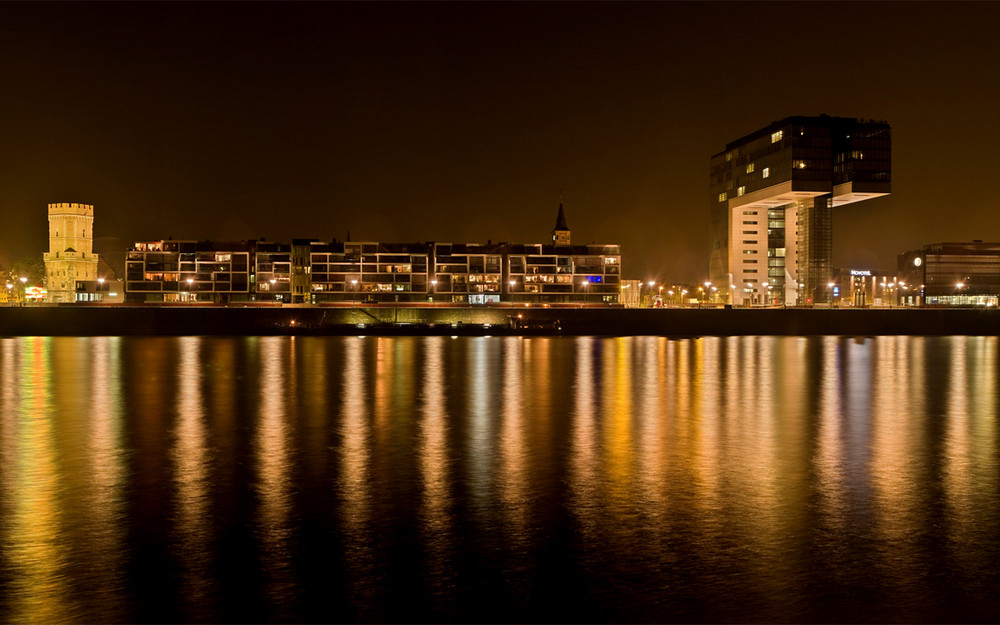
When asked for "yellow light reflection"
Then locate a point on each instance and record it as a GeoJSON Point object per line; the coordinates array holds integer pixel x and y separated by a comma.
{"type": "Point", "coordinates": [33, 546]}
{"type": "Point", "coordinates": [515, 459]}
{"type": "Point", "coordinates": [355, 472]}
{"type": "Point", "coordinates": [191, 480]}
{"type": "Point", "coordinates": [584, 484]}
{"type": "Point", "coordinates": [274, 472]}
{"type": "Point", "coordinates": [480, 405]}
{"type": "Point", "coordinates": [898, 460]}
{"type": "Point", "coordinates": [434, 457]}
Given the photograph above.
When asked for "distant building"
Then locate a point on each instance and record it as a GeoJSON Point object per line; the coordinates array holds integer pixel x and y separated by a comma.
{"type": "Point", "coordinates": [952, 274]}
{"type": "Point", "coordinates": [71, 250]}
{"type": "Point", "coordinates": [772, 195]}
{"type": "Point", "coordinates": [315, 272]}
{"type": "Point", "coordinates": [864, 287]}
{"type": "Point", "coordinates": [100, 291]}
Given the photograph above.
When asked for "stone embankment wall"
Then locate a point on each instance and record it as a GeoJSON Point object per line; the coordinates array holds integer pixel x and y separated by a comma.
{"type": "Point", "coordinates": [195, 320]}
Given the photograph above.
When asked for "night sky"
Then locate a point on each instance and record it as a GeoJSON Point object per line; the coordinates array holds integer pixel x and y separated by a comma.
{"type": "Point", "coordinates": [464, 122]}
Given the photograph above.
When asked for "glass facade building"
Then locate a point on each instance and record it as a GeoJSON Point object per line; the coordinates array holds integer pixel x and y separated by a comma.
{"type": "Point", "coordinates": [772, 195]}
{"type": "Point", "coordinates": [953, 274]}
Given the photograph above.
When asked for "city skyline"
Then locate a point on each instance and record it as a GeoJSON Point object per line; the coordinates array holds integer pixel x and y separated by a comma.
{"type": "Point", "coordinates": [468, 122]}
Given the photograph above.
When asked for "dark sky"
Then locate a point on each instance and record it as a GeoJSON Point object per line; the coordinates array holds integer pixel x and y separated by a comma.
{"type": "Point", "coordinates": [463, 121]}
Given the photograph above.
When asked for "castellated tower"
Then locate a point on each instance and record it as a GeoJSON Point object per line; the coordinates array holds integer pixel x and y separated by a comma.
{"type": "Point", "coordinates": [71, 250]}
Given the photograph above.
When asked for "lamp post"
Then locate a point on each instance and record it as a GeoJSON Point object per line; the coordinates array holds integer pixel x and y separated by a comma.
{"type": "Point", "coordinates": [24, 282]}
{"type": "Point", "coordinates": [9, 293]}
{"type": "Point", "coordinates": [190, 282]}
{"type": "Point", "coordinates": [585, 284]}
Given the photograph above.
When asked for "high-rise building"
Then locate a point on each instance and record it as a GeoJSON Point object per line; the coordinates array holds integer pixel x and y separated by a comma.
{"type": "Point", "coordinates": [772, 198]}
{"type": "Point", "coordinates": [71, 250]}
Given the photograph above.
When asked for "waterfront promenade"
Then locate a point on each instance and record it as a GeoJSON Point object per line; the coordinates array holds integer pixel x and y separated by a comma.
{"type": "Point", "coordinates": [473, 321]}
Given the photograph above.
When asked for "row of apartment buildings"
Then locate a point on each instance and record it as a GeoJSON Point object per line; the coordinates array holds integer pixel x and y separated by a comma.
{"type": "Point", "coordinates": [309, 271]}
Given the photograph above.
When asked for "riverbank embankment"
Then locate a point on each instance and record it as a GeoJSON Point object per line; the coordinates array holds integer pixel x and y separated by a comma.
{"type": "Point", "coordinates": [89, 320]}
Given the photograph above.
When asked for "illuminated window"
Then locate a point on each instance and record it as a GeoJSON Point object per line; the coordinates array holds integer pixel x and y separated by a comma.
{"type": "Point", "coordinates": [750, 168]}
{"type": "Point", "coordinates": [776, 136]}
{"type": "Point", "coordinates": [723, 196]}
{"type": "Point", "coordinates": [765, 172]}
{"type": "Point", "coordinates": [749, 251]}
{"type": "Point", "coordinates": [799, 164]}
{"type": "Point", "coordinates": [741, 191]}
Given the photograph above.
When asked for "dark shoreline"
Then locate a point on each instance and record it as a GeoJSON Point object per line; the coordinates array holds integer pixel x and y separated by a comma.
{"type": "Point", "coordinates": [495, 321]}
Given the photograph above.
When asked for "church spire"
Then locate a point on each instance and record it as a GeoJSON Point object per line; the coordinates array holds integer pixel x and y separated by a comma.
{"type": "Point", "coordinates": [560, 234]}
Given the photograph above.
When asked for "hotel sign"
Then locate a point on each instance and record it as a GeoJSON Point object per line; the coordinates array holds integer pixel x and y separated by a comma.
{"type": "Point", "coordinates": [861, 272]}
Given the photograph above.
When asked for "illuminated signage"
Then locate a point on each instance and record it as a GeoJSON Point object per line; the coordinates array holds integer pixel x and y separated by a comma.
{"type": "Point", "coordinates": [596, 278]}
{"type": "Point", "coordinates": [917, 261]}
{"type": "Point", "coordinates": [860, 272]}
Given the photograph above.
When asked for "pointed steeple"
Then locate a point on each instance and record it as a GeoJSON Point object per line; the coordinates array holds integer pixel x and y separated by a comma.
{"type": "Point", "coordinates": [560, 234]}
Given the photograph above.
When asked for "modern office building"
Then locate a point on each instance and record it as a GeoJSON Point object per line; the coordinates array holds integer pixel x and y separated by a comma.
{"type": "Point", "coordinates": [71, 250]}
{"type": "Point", "coordinates": [309, 271]}
{"type": "Point", "coordinates": [772, 198]}
{"type": "Point", "coordinates": [952, 274]}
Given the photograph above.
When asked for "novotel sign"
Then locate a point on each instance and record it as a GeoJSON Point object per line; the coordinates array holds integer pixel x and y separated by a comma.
{"type": "Point", "coordinates": [860, 272]}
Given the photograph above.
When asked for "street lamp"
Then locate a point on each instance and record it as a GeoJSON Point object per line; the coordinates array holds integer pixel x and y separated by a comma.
{"type": "Point", "coordinates": [24, 281]}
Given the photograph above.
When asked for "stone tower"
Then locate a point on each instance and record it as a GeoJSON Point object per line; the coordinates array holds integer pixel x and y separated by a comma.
{"type": "Point", "coordinates": [71, 250]}
{"type": "Point", "coordinates": [560, 234]}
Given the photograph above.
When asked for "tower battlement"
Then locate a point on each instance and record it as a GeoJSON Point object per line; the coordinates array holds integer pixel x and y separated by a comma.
{"type": "Point", "coordinates": [71, 208]}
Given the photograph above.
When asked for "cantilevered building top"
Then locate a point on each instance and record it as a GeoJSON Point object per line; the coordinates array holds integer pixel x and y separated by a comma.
{"type": "Point", "coordinates": [771, 196]}
{"type": "Point", "coordinates": [801, 157]}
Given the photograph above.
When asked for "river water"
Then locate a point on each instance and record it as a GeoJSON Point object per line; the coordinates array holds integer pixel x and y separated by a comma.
{"type": "Point", "coordinates": [499, 479]}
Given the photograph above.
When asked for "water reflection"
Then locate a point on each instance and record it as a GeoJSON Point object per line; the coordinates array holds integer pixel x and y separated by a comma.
{"type": "Point", "coordinates": [642, 478]}
{"type": "Point", "coordinates": [275, 385]}
{"type": "Point", "coordinates": [191, 479]}
{"type": "Point", "coordinates": [354, 482]}
{"type": "Point", "coordinates": [434, 462]}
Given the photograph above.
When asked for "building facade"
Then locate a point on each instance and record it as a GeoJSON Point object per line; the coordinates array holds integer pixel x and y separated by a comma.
{"type": "Point", "coordinates": [309, 271]}
{"type": "Point", "coordinates": [187, 271]}
{"type": "Point", "coordinates": [772, 195]}
{"type": "Point", "coordinates": [71, 250]}
{"type": "Point", "coordinates": [952, 274]}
